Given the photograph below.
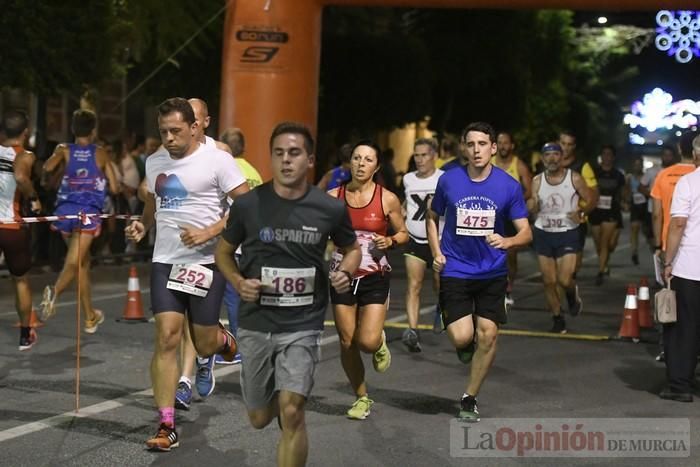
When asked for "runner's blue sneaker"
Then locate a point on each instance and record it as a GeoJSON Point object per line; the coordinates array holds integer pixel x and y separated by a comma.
{"type": "Point", "coordinates": [222, 361]}
{"type": "Point", "coordinates": [204, 379]}
{"type": "Point", "coordinates": [183, 396]}
{"type": "Point", "coordinates": [437, 321]}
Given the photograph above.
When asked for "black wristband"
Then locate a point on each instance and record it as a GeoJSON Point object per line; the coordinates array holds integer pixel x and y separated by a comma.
{"type": "Point", "coordinates": [347, 274]}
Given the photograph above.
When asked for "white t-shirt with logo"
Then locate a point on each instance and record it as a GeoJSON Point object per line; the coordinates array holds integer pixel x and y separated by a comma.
{"type": "Point", "coordinates": [418, 191]}
{"type": "Point", "coordinates": [686, 203]}
{"type": "Point", "coordinates": [191, 191]}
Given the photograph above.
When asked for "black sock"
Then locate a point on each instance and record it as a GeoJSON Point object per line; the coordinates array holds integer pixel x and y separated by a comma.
{"type": "Point", "coordinates": [571, 296]}
{"type": "Point", "coordinates": [24, 332]}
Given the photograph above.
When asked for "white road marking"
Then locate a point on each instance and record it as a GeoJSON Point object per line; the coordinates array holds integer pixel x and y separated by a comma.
{"type": "Point", "coordinates": [95, 409]}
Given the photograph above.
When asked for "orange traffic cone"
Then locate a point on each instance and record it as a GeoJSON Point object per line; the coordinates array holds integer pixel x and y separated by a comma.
{"type": "Point", "coordinates": [33, 321]}
{"type": "Point", "coordinates": [133, 310]}
{"type": "Point", "coordinates": [644, 305]}
{"type": "Point", "coordinates": [629, 328]}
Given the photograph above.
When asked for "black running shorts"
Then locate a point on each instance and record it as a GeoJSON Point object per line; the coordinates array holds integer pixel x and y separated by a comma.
{"type": "Point", "coordinates": [367, 290]}
{"type": "Point", "coordinates": [202, 310]}
{"type": "Point", "coordinates": [483, 297]}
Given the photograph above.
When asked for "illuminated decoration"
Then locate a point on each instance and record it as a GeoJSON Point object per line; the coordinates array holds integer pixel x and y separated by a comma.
{"type": "Point", "coordinates": [657, 111]}
{"type": "Point", "coordinates": [679, 34]}
{"type": "Point", "coordinates": [636, 139]}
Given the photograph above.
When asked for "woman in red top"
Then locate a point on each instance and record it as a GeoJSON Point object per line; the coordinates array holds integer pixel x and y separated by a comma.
{"type": "Point", "coordinates": [360, 313]}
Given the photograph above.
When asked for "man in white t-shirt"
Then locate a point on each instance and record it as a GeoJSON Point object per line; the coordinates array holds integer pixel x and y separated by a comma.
{"type": "Point", "coordinates": [187, 189]}
{"type": "Point", "coordinates": [419, 187]}
{"type": "Point", "coordinates": [681, 267]}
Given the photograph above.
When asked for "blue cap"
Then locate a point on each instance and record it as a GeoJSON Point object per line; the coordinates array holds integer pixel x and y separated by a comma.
{"type": "Point", "coordinates": [551, 147]}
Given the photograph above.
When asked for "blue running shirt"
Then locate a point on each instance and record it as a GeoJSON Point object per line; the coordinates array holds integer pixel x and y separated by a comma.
{"type": "Point", "coordinates": [482, 208]}
{"type": "Point", "coordinates": [83, 182]}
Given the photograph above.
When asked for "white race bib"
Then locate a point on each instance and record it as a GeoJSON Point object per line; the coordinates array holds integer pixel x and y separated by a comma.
{"type": "Point", "coordinates": [193, 279]}
{"type": "Point", "coordinates": [605, 202]}
{"type": "Point", "coordinates": [638, 198]}
{"type": "Point", "coordinates": [286, 287]}
{"type": "Point", "coordinates": [555, 222]}
{"type": "Point", "coordinates": [475, 222]}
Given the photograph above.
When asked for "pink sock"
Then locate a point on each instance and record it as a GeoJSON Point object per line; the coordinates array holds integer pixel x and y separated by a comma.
{"type": "Point", "coordinates": [167, 416]}
{"type": "Point", "coordinates": [227, 343]}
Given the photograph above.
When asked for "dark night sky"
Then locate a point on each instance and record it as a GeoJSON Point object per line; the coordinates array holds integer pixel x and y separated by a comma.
{"type": "Point", "coordinates": [656, 68]}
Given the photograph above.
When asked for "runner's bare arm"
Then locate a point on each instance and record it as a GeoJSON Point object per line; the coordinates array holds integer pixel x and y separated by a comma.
{"type": "Point", "coordinates": [249, 289]}
{"type": "Point", "coordinates": [392, 209]}
{"type": "Point", "coordinates": [586, 193]}
{"type": "Point", "coordinates": [342, 277]}
{"type": "Point", "coordinates": [107, 169]}
{"type": "Point", "coordinates": [23, 177]}
{"type": "Point", "coordinates": [137, 229]}
{"type": "Point", "coordinates": [59, 156]}
{"type": "Point", "coordinates": [432, 220]}
{"type": "Point", "coordinates": [522, 238]}
{"type": "Point", "coordinates": [57, 159]}
{"type": "Point", "coordinates": [533, 202]}
{"type": "Point", "coordinates": [23, 174]}
{"type": "Point", "coordinates": [525, 179]}
{"type": "Point", "coordinates": [657, 221]}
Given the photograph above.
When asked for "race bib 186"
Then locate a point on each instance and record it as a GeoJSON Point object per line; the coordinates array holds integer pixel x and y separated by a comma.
{"type": "Point", "coordinates": [475, 222]}
{"type": "Point", "coordinates": [193, 279]}
{"type": "Point", "coordinates": [286, 287]}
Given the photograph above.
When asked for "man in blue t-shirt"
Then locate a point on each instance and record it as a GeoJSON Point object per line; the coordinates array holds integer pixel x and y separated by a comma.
{"type": "Point", "coordinates": [476, 201]}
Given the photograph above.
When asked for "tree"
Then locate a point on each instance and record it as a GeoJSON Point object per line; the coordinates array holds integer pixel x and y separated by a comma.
{"type": "Point", "coordinates": [58, 46]}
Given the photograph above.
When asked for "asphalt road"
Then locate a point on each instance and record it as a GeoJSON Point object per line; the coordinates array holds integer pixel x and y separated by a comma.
{"type": "Point", "coordinates": [533, 378]}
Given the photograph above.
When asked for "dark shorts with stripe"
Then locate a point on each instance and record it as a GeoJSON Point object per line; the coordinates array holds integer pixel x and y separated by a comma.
{"type": "Point", "coordinates": [202, 310]}
{"type": "Point", "coordinates": [556, 244]}
{"type": "Point", "coordinates": [420, 251]}
{"type": "Point", "coordinates": [368, 290]}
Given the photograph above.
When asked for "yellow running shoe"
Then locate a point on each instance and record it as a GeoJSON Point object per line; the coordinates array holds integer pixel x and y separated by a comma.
{"type": "Point", "coordinates": [92, 324]}
{"type": "Point", "coordinates": [381, 360]}
{"type": "Point", "coordinates": [360, 409]}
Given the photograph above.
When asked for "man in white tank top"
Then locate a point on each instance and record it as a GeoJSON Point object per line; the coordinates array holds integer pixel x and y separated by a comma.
{"type": "Point", "coordinates": [555, 200]}
{"type": "Point", "coordinates": [419, 187]}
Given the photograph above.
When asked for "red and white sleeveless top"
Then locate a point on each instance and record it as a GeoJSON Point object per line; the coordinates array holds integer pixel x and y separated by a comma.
{"type": "Point", "coordinates": [367, 221]}
{"type": "Point", "coordinates": [9, 194]}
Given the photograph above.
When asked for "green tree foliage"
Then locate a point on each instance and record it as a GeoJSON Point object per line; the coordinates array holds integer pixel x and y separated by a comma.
{"type": "Point", "coordinates": [175, 51]}
{"type": "Point", "coordinates": [49, 47]}
{"type": "Point", "coordinates": [65, 46]}
{"type": "Point", "coordinates": [373, 74]}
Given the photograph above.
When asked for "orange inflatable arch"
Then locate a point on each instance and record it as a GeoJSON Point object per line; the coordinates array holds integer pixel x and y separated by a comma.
{"type": "Point", "coordinates": [272, 52]}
